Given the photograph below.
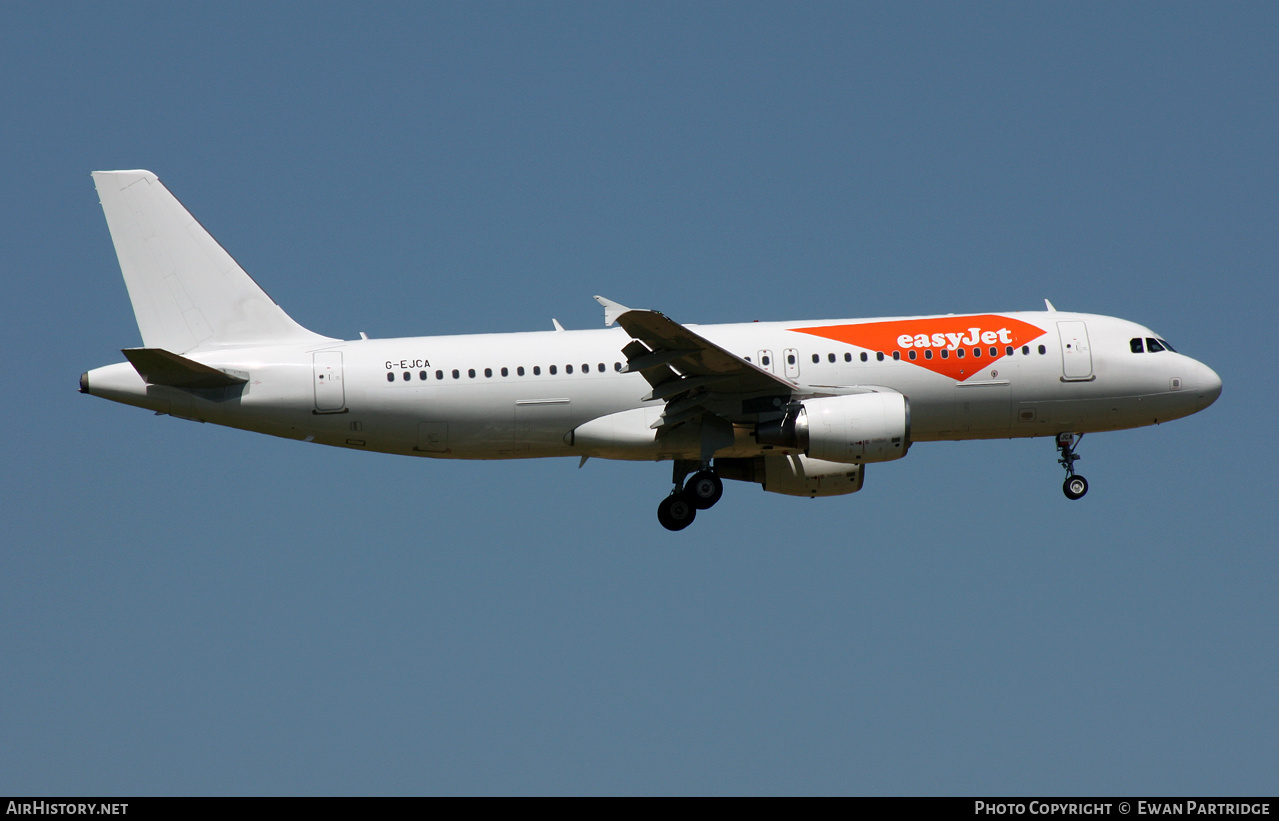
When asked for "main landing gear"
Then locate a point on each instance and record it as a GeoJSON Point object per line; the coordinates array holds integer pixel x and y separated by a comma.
{"type": "Point", "coordinates": [700, 492]}
{"type": "Point", "coordinates": [1075, 486]}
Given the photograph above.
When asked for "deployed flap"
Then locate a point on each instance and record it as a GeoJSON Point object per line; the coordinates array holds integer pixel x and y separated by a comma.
{"type": "Point", "coordinates": [159, 367]}
{"type": "Point", "coordinates": [697, 379]}
{"type": "Point", "coordinates": [675, 352]}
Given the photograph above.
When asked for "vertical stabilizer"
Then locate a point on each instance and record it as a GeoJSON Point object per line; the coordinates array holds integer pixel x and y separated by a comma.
{"type": "Point", "coordinates": [188, 293]}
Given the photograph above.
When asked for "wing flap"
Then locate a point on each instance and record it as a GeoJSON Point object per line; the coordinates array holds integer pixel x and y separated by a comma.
{"type": "Point", "coordinates": [689, 356]}
{"type": "Point", "coordinates": [699, 382]}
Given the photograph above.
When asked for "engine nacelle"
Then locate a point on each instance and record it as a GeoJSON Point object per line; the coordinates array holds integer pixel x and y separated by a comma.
{"type": "Point", "coordinates": [795, 475]}
{"type": "Point", "coordinates": [863, 427]}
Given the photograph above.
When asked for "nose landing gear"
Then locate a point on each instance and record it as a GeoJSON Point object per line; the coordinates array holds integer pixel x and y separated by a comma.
{"type": "Point", "coordinates": [700, 492]}
{"type": "Point", "coordinates": [704, 489]}
{"type": "Point", "coordinates": [1075, 486]}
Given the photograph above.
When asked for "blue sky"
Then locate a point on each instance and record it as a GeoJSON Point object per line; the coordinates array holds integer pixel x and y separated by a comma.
{"type": "Point", "coordinates": [195, 610]}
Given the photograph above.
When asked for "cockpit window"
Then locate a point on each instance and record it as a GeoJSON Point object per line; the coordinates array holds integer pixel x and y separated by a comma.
{"type": "Point", "coordinates": [1153, 346]}
{"type": "Point", "coordinates": [1136, 345]}
{"type": "Point", "coordinates": [1164, 342]}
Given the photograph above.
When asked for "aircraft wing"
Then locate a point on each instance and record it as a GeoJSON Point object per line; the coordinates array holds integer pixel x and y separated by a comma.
{"type": "Point", "coordinates": [691, 374]}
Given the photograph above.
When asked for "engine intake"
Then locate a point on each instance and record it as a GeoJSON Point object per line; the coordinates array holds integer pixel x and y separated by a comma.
{"type": "Point", "coordinates": [863, 427]}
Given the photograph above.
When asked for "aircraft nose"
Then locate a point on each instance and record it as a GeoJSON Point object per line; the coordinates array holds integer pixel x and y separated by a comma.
{"type": "Point", "coordinates": [1208, 386]}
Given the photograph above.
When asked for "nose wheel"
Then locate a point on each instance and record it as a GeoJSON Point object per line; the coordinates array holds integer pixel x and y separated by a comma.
{"type": "Point", "coordinates": [1075, 486]}
{"type": "Point", "coordinates": [700, 492]}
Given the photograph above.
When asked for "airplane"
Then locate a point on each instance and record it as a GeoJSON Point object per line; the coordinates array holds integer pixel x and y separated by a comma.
{"type": "Point", "coordinates": [799, 408]}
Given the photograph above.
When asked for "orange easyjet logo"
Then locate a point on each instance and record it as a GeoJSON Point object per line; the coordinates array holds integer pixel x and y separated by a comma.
{"type": "Point", "coordinates": [956, 346]}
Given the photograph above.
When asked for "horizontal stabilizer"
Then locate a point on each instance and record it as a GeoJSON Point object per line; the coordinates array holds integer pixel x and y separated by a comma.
{"type": "Point", "coordinates": [159, 367]}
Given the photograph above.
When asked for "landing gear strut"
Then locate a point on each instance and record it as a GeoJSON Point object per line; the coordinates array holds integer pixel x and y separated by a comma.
{"type": "Point", "coordinates": [700, 492]}
{"type": "Point", "coordinates": [1075, 486]}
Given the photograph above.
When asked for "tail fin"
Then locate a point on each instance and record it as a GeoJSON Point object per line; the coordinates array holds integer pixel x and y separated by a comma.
{"type": "Point", "coordinates": [187, 293]}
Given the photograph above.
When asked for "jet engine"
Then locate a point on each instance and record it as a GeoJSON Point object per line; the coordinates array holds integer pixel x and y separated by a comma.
{"type": "Point", "coordinates": [794, 474]}
{"type": "Point", "coordinates": [862, 427]}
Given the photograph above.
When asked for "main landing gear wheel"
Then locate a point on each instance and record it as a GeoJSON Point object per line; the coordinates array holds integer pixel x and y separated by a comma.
{"type": "Point", "coordinates": [704, 489]}
{"type": "Point", "coordinates": [676, 512]}
{"type": "Point", "coordinates": [1075, 487]}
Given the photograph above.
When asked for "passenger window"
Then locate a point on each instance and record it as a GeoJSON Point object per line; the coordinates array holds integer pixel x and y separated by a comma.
{"type": "Point", "coordinates": [994, 352]}
{"type": "Point", "coordinates": [1025, 350]}
{"type": "Point", "coordinates": [977, 353]}
{"type": "Point", "coordinates": [959, 353]}
{"type": "Point", "coordinates": [911, 355]}
{"type": "Point", "coordinates": [439, 374]}
{"type": "Point", "coordinates": [567, 369]}
{"type": "Point", "coordinates": [1008, 351]}
{"type": "Point", "coordinates": [552, 370]}
{"type": "Point", "coordinates": [830, 357]}
{"type": "Point", "coordinates": [602, 368]}
{"type": "Point", "coordinates": [945, 354]}
{"type": "Point", "coordinates": [1042, 350]}
{"type": "Point", "coordinates": [505, 372]}
{"type": "Point", "coordinates": [897, 355]}
{"type": "Point", "coordinates": [764, 361]}
{"type": "Point", "coordinates": [456, 375]}
{"type": "Point", "coordinates": [422, 375]}
{"type": "Point", "coordinates": [865, 357]}
{"type": "Point", "coordinates": [390, 377]}
{"type": "Point", "coordinates": [470, 372]}
{"type": "Point", "coordinates": [1153, 346]}
{"type": "Point", "coordinates": [519, 371]}
{"type": "Point", "coordinates": [849, 357]}
{"type": "Point", "coordinates": [407, 376]}
{"type": "Point", "coordinates": [537, 370]}
{"type": "Point", "coordinates": [879, 355]}
{"type": "Point", "coordinates": [617, 366]}
{"type": "Point", "coordinates": [928, 354]}
{"type": "Point", "coordinates": [488, 373]}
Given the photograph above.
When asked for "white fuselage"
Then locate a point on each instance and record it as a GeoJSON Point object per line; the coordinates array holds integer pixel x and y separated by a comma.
{"type": "Point", "coordinates": [797, 407]}
{"type": "Point", "coordinates": [517, 395]}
